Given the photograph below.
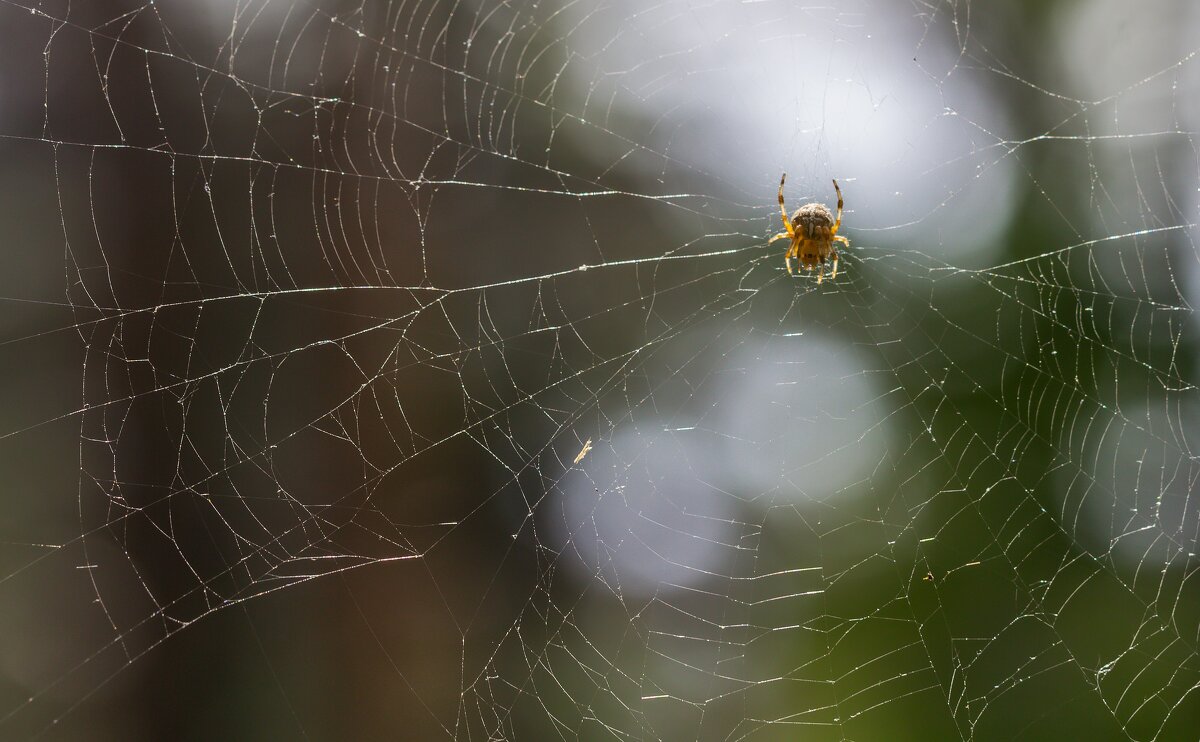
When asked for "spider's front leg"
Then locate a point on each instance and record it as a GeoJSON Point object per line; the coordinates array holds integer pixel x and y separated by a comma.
{"type": "Point", "coordinates": [837, 224]}
{"type": "Point", "coordinates": [787, 224]}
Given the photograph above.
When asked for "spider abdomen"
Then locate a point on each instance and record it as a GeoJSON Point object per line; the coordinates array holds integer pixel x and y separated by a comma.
{"type": "Point", "coordinates": [814, 221]}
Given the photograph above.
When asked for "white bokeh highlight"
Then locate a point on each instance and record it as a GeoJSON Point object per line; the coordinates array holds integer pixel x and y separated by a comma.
{"type": "Point", "coordinates": [871, 94]}
{"type": "Point", "coordinates": [642, 520]}
{"type": "Point", "coordinates": [789, 421]}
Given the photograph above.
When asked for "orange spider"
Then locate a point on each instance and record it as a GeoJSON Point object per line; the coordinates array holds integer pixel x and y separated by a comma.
{"type": "Point", "coordinates": [812, 230]}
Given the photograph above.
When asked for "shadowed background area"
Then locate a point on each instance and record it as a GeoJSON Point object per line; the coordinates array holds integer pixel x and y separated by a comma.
{"type": "Point", "coordinates": [419, 369]}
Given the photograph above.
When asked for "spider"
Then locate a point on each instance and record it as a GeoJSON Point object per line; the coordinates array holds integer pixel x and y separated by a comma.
{"type": "Point", "coordinates": [812, 230]}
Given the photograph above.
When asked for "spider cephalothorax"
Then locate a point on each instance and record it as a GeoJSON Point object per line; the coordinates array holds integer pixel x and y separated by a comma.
{"type": "Point", "coordinates": [812, 230]}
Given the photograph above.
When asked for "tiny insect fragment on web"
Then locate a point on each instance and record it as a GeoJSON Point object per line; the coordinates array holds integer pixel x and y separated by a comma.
{"type": "Point", "coordinates": [812, 230]}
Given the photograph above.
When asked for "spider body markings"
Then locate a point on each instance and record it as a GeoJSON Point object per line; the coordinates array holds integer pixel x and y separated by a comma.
{"type": "Point", "coordinates": [812, 230]}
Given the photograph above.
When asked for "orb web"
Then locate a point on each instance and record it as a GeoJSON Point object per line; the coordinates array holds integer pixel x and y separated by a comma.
{"type": "Point", "coordinates": [421, 367]}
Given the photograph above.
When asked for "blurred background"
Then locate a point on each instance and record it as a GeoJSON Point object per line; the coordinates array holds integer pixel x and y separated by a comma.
{"type": "Point", "coordinates": [418, 369]}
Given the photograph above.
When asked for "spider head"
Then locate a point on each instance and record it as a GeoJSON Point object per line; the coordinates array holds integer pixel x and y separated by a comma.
{"type": "Point", "coordinates": [813, 220]}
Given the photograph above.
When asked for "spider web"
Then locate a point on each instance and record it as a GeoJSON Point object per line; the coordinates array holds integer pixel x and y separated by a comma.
{"type": "Point", "coordinates": [419, 368]}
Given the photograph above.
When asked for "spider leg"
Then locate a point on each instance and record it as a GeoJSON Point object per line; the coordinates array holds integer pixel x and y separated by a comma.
{"type": "Point", "coordinates": [835, 259]}
{"type": "Point", "coordinates": [792, 252]}
{"type": "Point", "coordinates": [843, 240]}
{"type": "Point", "coordinates": [782, 210]}
{"type": "Point", "coordinates": [787, 224]}
{"type": "Point", "coordinates": [837, 222]}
